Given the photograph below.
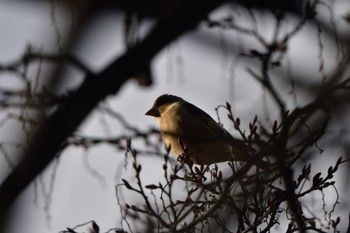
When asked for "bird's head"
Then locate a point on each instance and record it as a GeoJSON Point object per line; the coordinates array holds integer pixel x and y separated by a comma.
{"type": "Point", "coordinates": [161, 104]}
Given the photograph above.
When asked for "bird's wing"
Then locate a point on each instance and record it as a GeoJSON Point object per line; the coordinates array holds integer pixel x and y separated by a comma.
{"type": "Point", "coordinates": [208, 120]}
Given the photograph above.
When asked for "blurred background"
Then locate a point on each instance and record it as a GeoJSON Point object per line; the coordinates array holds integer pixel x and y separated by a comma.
{"type": "Point", "coordinates": [208, 67]}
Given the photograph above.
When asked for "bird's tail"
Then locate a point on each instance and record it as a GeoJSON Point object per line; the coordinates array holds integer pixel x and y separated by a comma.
{"type": "Point", "coordinates": [247, 153]}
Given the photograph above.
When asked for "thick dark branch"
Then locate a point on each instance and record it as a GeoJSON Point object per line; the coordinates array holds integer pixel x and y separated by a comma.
{"type": "Point", "coordinates": [162, 8]}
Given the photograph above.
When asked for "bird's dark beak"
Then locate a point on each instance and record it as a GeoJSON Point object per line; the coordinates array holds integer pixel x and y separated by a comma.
{"type": "Point", "coordinates": [153, 112]}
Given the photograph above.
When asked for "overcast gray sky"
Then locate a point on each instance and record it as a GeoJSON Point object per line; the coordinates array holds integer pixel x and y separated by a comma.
{"type": "Point", "coordinates": [187, 69]}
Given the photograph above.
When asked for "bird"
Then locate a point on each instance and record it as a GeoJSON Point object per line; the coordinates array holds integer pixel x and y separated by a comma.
{"type": "Point", "coordinates": [185, 128]}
